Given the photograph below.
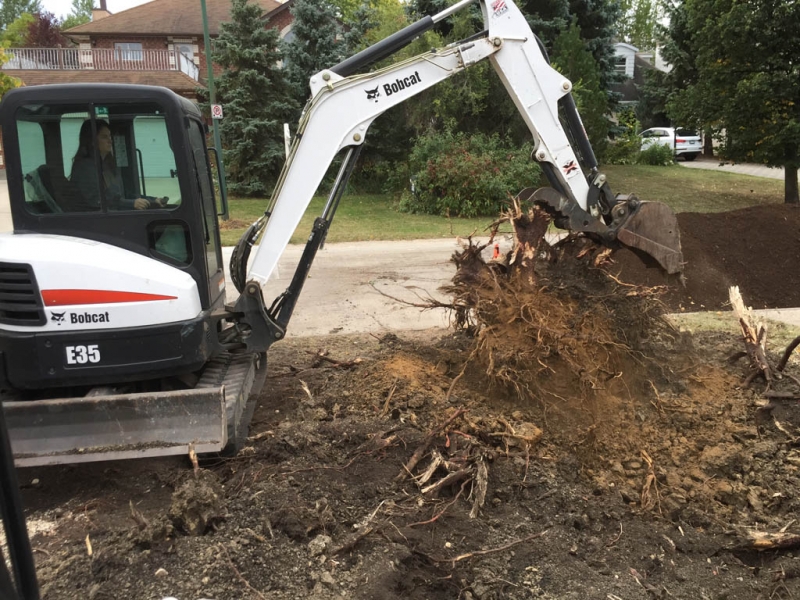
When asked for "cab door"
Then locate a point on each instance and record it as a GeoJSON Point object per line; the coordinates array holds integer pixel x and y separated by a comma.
{"type": "Point", "coordinates": [213, 250]}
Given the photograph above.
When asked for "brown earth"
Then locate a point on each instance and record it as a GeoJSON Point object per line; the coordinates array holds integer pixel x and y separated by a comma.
{"type": "Point", "coordinates": [580, 515]}
{"type": "Point", "coordinates": [756, 248]}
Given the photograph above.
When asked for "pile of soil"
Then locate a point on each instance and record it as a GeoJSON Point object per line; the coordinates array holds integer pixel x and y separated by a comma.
{"type": "Point", "coordinates": [756, 248]}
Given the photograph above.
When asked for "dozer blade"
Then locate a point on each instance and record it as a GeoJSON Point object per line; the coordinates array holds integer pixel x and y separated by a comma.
{"type": "Point", "coordinates": [75, 430]}
{"type": "Point", "coordinates": [652, 231]}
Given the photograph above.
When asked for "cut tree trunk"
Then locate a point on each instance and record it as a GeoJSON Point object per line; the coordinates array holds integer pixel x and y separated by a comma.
{"type": "Point", "coordinates": [755, 337]}
{"type": "Point", "coordinates": [790, 184]}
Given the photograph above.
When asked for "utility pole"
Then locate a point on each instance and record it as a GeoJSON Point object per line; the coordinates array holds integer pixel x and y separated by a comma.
{"type": "Point", "coordinates": [212, 99]}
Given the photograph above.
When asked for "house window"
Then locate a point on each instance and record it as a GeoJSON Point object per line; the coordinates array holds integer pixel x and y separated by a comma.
{"type": "Point", "coordinates": [620, 64]}
{"type": "Point", "coordinates": [128, 51]}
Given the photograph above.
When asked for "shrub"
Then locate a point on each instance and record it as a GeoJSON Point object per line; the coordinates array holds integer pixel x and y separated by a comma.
{"type": "Point", "coordinates": [466, 175]}
{"type": "Point", "coordinates": [623, 151]}
{"type": "Point", "coordinates": [657, 154]}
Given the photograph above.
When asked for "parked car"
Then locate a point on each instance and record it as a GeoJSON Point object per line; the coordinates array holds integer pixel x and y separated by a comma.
{"type": "Point", "coordinates": [685, 143]}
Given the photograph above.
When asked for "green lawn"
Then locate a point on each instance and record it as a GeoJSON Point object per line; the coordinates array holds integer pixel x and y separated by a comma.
{"type": "Point", "coordinates": [693, 190]}
{"type": "Point", "coordinates": [359, 218]}
{"type": "Point", "coordinates": [375, 217]}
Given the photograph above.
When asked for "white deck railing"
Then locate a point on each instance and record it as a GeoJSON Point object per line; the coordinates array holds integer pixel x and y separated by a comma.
{"type": "Point", "coordinates": [77, 59]}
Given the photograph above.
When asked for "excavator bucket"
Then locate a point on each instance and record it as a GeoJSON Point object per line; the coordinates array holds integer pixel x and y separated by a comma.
{"type": "Point", "coordinates": [652, 232]}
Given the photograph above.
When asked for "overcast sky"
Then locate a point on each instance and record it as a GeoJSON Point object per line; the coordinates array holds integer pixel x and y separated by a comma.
{"type": "Point", "coordinates": [61, 8]}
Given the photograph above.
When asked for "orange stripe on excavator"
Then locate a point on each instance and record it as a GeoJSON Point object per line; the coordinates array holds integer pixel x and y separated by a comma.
{"type": "Point", "coordinates": [70, 297]}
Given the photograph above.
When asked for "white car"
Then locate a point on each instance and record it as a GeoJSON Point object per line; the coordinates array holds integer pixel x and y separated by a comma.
{"type": "Point", "coordinates": [684, 142]}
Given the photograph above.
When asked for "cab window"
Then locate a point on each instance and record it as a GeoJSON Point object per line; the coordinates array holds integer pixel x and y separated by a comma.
{"type": "Point", "coordinates": [96, 159]}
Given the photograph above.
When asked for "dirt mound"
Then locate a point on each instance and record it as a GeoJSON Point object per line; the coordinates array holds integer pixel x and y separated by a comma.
{"type": "Point", "coordinates": [756, 248]}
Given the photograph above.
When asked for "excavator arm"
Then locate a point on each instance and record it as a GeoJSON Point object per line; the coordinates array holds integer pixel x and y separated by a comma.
{"type": "Point", "coordinates": [343, 106]}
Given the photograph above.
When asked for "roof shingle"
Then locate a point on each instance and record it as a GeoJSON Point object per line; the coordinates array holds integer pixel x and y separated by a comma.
{"type": "Point", "coordinates": [167, 17]}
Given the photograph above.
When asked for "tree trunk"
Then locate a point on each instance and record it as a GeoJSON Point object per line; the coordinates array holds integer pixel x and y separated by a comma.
{"type": "Point", "coordinates": [708, 143]}
{"type": "Point", "coordinates": [790, 184]}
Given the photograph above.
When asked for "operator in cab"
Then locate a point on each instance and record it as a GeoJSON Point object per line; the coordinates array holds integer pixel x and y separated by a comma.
{"type": "Point", "coordinates": [84, 171]}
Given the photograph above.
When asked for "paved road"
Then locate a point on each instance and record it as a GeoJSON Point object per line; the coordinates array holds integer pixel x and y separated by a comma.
{"type": "Point", "coordinates": [350, 283]}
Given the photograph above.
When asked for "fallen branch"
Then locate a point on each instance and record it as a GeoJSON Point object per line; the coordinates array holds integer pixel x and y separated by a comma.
{"type": "Point", "coordinates": [449, 479]}
{"type": "Point", "coordinates": [481, 486]}
{"type": "Point", "coordinates": [423, 448]}
{"type": "Point", "coordinates": [478, 553]}
{"type": "Point", "coordinates": [352, 541]}
{"type": "Point", "coordinates": [788, 353]}
{"type": "Point", "coordinates": [321, 355]}
{"type": "Point", "coordinates": [761, 540]}
{"type": "Point", "coordinates": [444, 510]}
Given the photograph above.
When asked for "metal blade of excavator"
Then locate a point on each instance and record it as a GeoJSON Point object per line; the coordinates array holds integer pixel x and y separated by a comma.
{"type": "Point", "coordinates": [652, 231]}
{"type": "Point", "coordinates": [211, 417]}
{"type": "Point", "coordinates": [76, 430]}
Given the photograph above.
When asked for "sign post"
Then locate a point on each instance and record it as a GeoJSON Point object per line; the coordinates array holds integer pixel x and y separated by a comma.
{"type": "Point", "coordinates": [215, 119]}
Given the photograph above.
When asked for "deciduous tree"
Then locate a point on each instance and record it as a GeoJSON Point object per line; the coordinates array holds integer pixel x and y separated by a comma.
{"type": "Point", "coordinates": [45, 32]}
{"type": "Point", "coordinates": [747, 56]}
{"type": "Point", "coordinates": [10, 10]}
{"type": "Point", "coordinates": [81, 13]}
{"type": "Point", "coordinates": [638, 24]}
{"type": "Point", "coordinates": [6, 81]}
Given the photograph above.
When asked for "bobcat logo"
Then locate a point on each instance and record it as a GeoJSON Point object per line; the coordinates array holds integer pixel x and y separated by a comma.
{"type": "Point", "coordinates": [57, 317]}
{"type": "Point", "coordinates": [373, 94]}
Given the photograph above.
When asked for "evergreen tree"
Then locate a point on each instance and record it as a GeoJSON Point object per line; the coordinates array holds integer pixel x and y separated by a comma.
{"type": "Point", "coordinates": [257, 99]}
{"type": "Point", "coordinates": [597, 21]}
{"type": "Point", "coordinates": [10, 10]}
{"type": "Point", "coordinates": [314, 45]}
{"type": "Point", "coordinates": [574, 61]}
{"type": "Point", "coordinates": [81, 13]}
{"type": "Point", "coordinates": [364, 19]}
{"type": "Point", "coordinates": [747, 56]}
{"type": "Point", "coordinates": [651, 110]}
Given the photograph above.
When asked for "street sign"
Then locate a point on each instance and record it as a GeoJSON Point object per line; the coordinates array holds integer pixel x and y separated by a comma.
{"type": "Point", "coordinates": [216, 111]}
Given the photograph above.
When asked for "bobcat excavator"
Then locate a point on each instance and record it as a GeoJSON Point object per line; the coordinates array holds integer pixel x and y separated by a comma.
{"type": "Point", "coordinates": [116, 340]}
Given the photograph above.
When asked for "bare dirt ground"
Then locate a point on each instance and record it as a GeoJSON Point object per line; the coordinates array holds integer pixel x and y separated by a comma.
{"type": "Point", "coordinates": [650, 485]}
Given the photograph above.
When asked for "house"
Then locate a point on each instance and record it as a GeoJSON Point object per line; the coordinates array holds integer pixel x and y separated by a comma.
{"type": "Point", "coordinates": [633, 64]}
{"type": "Point", "coordinates": [157, 43]}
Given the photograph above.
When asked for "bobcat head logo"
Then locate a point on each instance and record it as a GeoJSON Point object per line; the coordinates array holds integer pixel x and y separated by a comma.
{"type": "Point", "coordinates": [57, 317]}
{"type": "Point", "coordinates": [373, 94]}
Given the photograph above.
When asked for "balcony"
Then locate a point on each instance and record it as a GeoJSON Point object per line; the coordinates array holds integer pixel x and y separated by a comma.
{"type": "Point", "coordinates": [99, 59]}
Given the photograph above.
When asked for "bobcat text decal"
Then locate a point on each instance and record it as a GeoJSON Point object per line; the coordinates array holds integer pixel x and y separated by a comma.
{"type": "Point", "coordinates": [401, 84]}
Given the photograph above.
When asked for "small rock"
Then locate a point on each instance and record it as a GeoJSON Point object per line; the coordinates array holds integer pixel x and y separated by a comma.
{"type": "Point", "coordinates": [161, 572]}
{"type": "Point", "coordinates": [617, 467]}
{"type": "Point", "coordinates": [319, 544]}
{"type": "Point", "coordinates": [754, 501]}
{"type": "Point", "coordinates": [327, 578]}
{"type": "Point", "coordinates": [35, 482]}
